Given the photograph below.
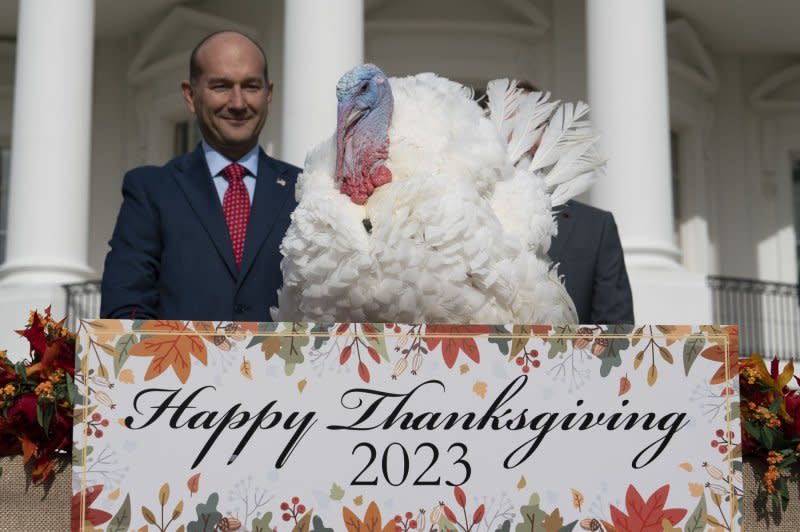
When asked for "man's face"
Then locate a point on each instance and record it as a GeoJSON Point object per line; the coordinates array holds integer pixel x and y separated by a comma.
{"type": "Point", "coordinates": [230, 97]}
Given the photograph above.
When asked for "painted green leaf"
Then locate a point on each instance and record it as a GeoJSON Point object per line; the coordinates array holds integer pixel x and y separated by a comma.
{"type": "Point", "coordinates": [77, 455]}
{"type": "Point", "coordinates": [378, 342]}
{"type": "Point", "coordinates": [559, 345]}
{"type": "Point", "coordinates": [291, 350]}
{"type": "Point", "coordinates": [320, 340]}
{"type": "Point", "coordinates": [123, 347]}
{"type": "Point", "coordinates": [337, 493]}
{"type": "Point", "coordinates": [612, 357]}
{"type": "Point", "coordinates": [319, 526]}
{"type": "Point", "coordinates": [735, 410]}
{"type": "Point", "coordinates": [497, 337]}
{"type": "Point", "coordinates": [505, 527]}
{"type": "Point", "coordinates": [691, 350]}
{"type": "Point", "coordinates": [261, 524]}
{"type": "Point", "coordinates": [207, 515]}
{"type": "Point", "coordinates": [532, 515]}
{"type": "Point", "coordinates": [263, 327]}
{"type": "Point", "coordinates": [122, 520]}
{"type": "Point", "coordinates": [697, 521]}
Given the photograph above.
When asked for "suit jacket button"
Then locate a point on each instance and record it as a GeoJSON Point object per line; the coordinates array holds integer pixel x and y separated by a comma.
{"type": "Point", "coordinates": [239, 308]}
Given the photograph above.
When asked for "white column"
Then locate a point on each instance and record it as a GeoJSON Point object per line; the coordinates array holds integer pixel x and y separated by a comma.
{"type": "Point", "coordinates": [322, 40]}
{"type": "Point", "coordinates": [628, 92]}
{"type": "Point", "coordinates": [627, 60]}
{"type": "Point", "coordinates": [48, 224]}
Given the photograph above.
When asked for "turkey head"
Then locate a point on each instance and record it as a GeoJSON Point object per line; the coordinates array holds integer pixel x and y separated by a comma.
{"type": "Point", "coordinates": [362, 131]}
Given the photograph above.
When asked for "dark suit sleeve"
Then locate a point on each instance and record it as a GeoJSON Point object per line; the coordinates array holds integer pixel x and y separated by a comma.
{"type": "Point", "coordinates": [130, 277]}
{"type": "Point", "coordinates": [612, 301]}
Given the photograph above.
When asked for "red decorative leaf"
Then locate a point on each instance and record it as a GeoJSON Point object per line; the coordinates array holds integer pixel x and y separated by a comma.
{"type": "Point", "coordinates": [363, 372]}
{"type": "Point", "coordinates": [374, 354]}
{"type": "Point", "coordinates": [342, 328]}
{"type": "Point", "coordinates": [461, 498]}
{"type": "Point", "coordinates": [193, 483]}
{"type": "Point", "coordinates": [645, 516]}
{"type": "Point", "coordinates": [450, 515]}
{"type": "Point", "coordinates": [345, 355]}
{"type": "Point", "coordinates": [541, 330]}
{"type": "Point", "coordinates": [456, 339]}
{"type": "Point", "coordinates": [93, 516]}
{"type": "Point", "coordinates": [477, 517]}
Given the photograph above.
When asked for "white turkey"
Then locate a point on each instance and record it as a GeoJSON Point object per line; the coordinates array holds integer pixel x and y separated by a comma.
{"type": "Point", "coordinates": [423, 207]}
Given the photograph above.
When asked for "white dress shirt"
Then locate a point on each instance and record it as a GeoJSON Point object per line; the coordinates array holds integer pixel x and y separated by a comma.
{"type": "Point", "coordinates": [217, 162]}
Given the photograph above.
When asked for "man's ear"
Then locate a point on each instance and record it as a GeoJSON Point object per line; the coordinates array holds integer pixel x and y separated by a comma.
{"type": "Point", "coordinates": [269, 92]}
{"type": "Point", "coordinates": [188, 95]}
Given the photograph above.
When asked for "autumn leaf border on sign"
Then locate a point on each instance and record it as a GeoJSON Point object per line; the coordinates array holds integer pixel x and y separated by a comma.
{"type": "Point", "coordinates": [729, 365]}
{"type": "Point", "coordinates": [641, 512]}
{"type": "Point", "coordinates": [170, 344]}
{"type": "Point", "coordinates": [455, 339]}
{"type": "Point", "coordinates": [372, 521]}
{"type": "Point", "coordinates": [365, 340]}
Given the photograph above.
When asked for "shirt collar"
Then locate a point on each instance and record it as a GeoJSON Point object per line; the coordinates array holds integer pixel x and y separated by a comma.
{"type": "Point", "coordinates": [217, 162]}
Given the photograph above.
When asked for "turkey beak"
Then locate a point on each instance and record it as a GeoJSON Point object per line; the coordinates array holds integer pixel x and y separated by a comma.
{"type": "Point", "coordinates": [347, 115]}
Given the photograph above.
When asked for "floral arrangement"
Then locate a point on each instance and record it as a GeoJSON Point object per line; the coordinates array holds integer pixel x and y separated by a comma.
{"type": "Point", "coordinates": [771, 421]}
{"type": "Point", "coordinates": [36, 396]}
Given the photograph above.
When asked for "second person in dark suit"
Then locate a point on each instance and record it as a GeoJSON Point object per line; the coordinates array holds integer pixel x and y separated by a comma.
{"type": "Point", "coordinates": [199, 237]}
{"type": "Point", "coordinates": [589, 254]}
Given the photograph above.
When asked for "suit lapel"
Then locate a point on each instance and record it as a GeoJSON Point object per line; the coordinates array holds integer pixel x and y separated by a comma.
{"type": "Point", "coordinates": [564, 220]}
{"type": "Point", "coordinates": [196, 182]}
{"type": "Point", "coordinates": [270, 198]}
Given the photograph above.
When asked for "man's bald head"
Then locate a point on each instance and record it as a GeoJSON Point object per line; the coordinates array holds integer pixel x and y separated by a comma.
{"type": "Point", "coordinates": [196, 59]}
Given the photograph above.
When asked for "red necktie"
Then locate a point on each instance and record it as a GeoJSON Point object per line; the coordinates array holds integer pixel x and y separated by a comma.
{"type": "Point", "coordinates": [236, 206]}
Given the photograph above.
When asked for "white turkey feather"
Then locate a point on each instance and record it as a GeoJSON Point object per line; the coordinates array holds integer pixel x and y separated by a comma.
{"type": "Point", "coordinates": [459, 234]}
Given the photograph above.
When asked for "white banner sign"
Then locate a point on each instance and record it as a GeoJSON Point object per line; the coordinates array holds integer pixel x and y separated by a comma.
{"type": "Point", "coordinates": [201, 426]}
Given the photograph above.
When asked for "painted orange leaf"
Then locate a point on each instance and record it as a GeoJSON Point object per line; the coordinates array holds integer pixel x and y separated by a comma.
{"type": "Point", "coordinates": [695, 489]}
{"type": "Point", "coordinates": [193, 484]}
{"type": "Point", "coordinates": [104, 331]}
{"type": "Point", "coordinates": [624, 385]}
{"type": "Point", "coordinates": [480, 388]}
{"type": "Point", "coordinates": [206, 330]}
{"type": "Point", "coordinates": [522, 482]}
{"type": "Point", "coordinates": [645, 516]}
{"type": "Point", "coordinates": [246, 369]}
{"type": "Point", "coordinates": [716, 353]}
{"type": "Point", "coordinates": [371, 523]}
{"type": "Point", "coordinates": [459, 342]}
{"type": "Point", "coordinates": [541, 330]}
{"type": "Point", "coordinates": [301, 385]}
{"type": "Point", "coordinates": [126, 376]}
{"type": "Point", "coordinates": [114, 495]}
{"type": "Point", "coordinates": [686, 466]}
{"type": "Point", "coordinates": [463, 368]}
{"type": "Point", "coordinates": [577, 499]}
{"type": "Point", "coordinates": [270, 346]}
{"type": "Point", "coordinates": [170, 346]}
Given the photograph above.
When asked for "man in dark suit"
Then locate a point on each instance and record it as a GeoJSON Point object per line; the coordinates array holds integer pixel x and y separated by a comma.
{"type": "Point", "coordinates": [590, 258]}
{"type": "Point", "coordinates": [199, 237]}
